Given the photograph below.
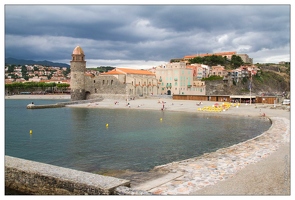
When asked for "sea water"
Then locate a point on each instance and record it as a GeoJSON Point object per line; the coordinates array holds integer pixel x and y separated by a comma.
{"type": "Point", "coordinates": [137, 140]}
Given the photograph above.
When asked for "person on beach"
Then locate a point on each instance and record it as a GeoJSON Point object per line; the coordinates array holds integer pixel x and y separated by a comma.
{"type": "Point", "coordinates": [198, 104]}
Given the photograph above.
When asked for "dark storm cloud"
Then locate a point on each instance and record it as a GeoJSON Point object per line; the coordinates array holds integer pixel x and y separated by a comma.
{"type": "Point", "coordinates": [149, 32]}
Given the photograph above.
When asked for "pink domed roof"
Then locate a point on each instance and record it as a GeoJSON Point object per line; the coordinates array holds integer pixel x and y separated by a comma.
{"type": "Point", "coordinates": [78, 50]}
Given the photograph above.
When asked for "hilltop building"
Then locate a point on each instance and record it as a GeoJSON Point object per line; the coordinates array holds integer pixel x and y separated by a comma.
{"type": "Point", "coordinates": [246, 58]}
{"type": "Point", "coordinates": [227, 54]}
{"type": "Point", "coordinates": [120, 82]}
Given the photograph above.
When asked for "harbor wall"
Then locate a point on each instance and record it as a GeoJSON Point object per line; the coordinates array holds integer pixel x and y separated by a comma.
{"type": "Point", "coordinates": [43, 179]}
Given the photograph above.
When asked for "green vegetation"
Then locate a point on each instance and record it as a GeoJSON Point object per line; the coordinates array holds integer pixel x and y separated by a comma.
{"type": "Point", "coordinates": [102, 69]}
{"type": "Point", "coordinates": [10, 68]}
{"type": "Point", "coordinates": [212, 78]}
{"type": "Point", "coordinates": [235, 62]}
{"type": "Point", "coordinates": [65, 73]}
{"type": "Point", "coordinates": [35, 86]}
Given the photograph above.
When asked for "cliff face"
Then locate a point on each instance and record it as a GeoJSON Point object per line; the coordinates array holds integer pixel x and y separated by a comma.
{"type": "Point", "coordinates": [269, 83]}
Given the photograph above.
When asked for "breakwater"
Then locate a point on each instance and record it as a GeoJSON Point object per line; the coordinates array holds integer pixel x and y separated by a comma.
{"type": "Point", "coordinates": [61, 104]}
{"type": "Point", "coordinates": [29, 177]}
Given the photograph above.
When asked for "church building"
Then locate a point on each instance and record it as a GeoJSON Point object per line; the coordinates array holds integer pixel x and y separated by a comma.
{"type": "Point", "coordinates": [119, 83]}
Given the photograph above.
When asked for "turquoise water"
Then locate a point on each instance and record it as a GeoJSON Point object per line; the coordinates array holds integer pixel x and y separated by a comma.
{"type": "Point", "coordinates": [137, 140]}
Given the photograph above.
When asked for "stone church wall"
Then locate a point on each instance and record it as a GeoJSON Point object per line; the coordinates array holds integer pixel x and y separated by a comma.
{"type": "Point", "coordinates": [104, 85]}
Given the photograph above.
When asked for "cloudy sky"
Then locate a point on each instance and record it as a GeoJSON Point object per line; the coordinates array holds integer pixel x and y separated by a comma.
{"type": "Point", "coordinates": [144, 36]}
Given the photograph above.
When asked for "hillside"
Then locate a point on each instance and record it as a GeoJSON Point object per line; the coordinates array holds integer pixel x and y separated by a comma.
{"type": "Point", "coordinates": [269, 83]}
{"type": "Point", "coordinates": [14, 61]}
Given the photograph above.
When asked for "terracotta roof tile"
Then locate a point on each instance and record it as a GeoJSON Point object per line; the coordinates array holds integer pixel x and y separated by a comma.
{"type": "Point", "coordinates": [128, 71]}
{"type": "Point", "coordinates": [112, 72]}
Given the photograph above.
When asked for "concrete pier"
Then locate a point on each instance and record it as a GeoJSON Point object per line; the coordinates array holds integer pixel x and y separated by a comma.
{"type": "Point", "coordinates": [62, 104]}
{"type": "Point", "coordinates": [32, 106]}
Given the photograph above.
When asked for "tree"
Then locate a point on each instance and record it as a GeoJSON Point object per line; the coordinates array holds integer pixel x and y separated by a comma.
{"type": "Point", "coordinates": [10, 68]}
{"type": "Point", "coordinates": [236, 61]}
{"type": "Point", "coordinates": [66, 72]}
{"type": "Point", "coordinates": [198, 59]}
{"type": "Point", "coordinates": [49, 76]}
{"type": "Point", "coordinates": [62, 86]}
{"type": "Point", "coordinates": [210, 60]}
{"type": "Point", "coordinates": [24, 71]}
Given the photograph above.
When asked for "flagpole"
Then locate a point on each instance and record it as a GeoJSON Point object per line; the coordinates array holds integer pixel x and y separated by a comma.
{"type": "Point", "coordinates": [250, 88]}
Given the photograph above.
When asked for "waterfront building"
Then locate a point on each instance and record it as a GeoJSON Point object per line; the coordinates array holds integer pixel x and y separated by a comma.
{"type": "Point", "coordinates": [120, 82]}
{"type": "Point", "coordinates": [176, 78]}
{"type": "Point", "coordinates": [137, 82]}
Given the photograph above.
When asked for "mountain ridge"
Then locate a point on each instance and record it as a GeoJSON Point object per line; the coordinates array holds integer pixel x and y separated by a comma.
{"type": "Point", "coordinates": [15, 61]}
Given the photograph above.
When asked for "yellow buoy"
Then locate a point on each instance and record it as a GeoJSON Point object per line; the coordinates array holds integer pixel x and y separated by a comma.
{"type": "Point", "coordinates": [107, 125]}
{"type": "Point", "coordinates": [31, 131]}
{"type": "Point", "coordinates": [161, 119]}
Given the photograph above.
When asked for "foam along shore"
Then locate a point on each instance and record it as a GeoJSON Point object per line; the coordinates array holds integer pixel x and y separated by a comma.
{"type": "Point", "coordinates": [218, 169]}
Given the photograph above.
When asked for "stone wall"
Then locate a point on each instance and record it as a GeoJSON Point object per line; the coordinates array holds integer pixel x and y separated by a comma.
{"type": "Point", "coordinates": [43, 179]}
{"type": "Point", "coordinates": [104, 85]}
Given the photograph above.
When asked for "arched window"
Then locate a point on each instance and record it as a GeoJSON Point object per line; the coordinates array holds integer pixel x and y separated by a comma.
{"type": "Point", "coordinates": [111, 82]}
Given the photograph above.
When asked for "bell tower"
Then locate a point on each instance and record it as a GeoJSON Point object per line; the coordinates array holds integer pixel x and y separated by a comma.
{"type": "Point", "coordinates": [78, 67]}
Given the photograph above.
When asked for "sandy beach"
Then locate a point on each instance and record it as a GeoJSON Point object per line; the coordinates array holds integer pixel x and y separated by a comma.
{"type": "Point", "coordinates": [268, 175]}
